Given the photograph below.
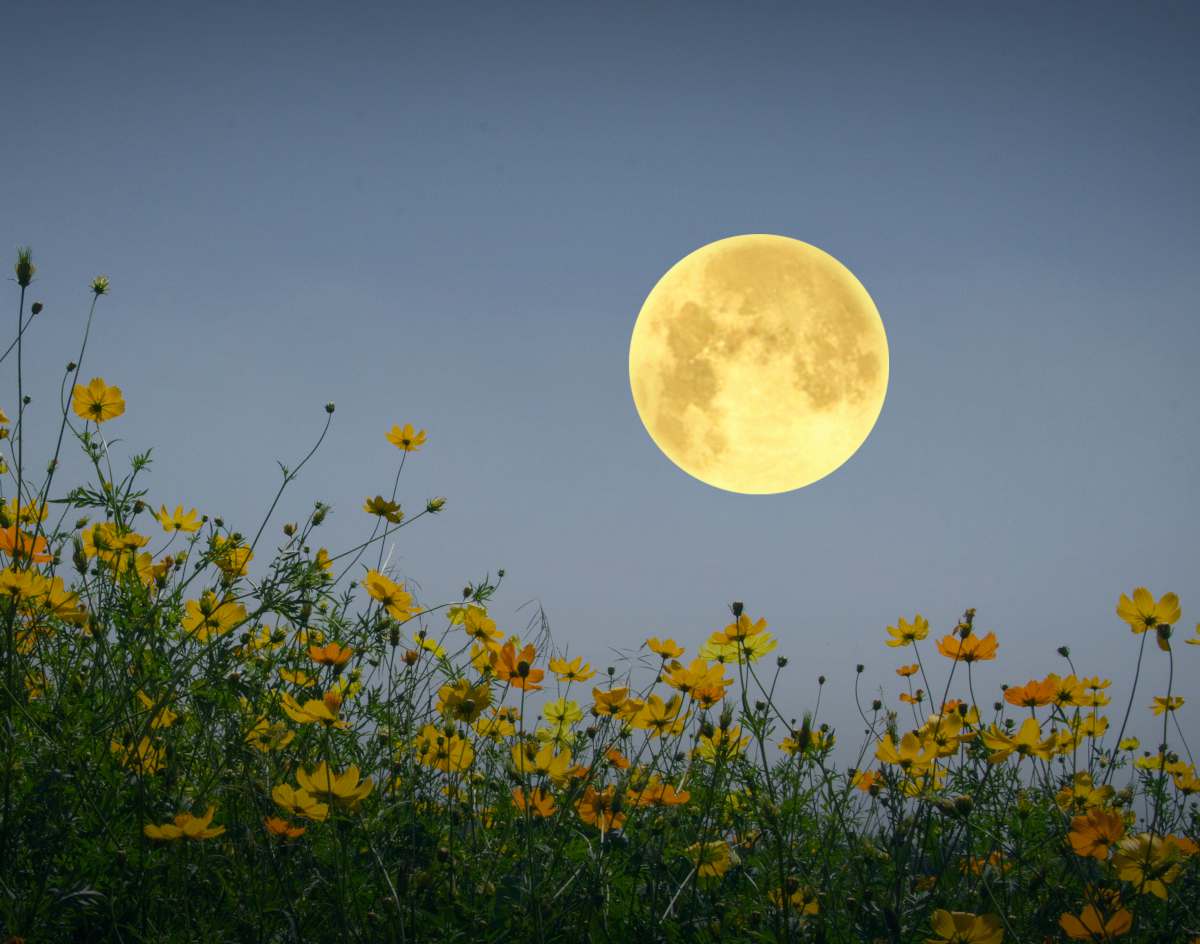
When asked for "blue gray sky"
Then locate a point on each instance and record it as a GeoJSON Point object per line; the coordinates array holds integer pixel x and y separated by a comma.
{"type": "Point", "coordinates": [449, 214]}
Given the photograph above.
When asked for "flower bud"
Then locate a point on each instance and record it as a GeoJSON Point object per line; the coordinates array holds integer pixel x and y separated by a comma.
{"type": "Point", "coordinates": [434, 505]}
{"type": "Point", "coordinates": [736, 609]}
{"type": "Point", "coordinates": [330, 407]}
{"type": "Point", "coordinates": [24, 267]}
{"type": "Point", "coordinates": [100, 285]}
{"type": "Point", "coordinates": [36, 308]}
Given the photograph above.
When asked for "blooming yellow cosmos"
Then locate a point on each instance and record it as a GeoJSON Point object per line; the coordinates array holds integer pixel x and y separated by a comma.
{"type": "Point", "coordinates": [178, 520]}
{"type": "Point", "coordinates": [395, 599]}
{"type": "Point", "coordinates": [185, 826]}
{"type": "Point", "coordinates": [97, 401]}
{"type": "Point", "coordinates": [406, 438]}
{"type": "Point", "coordinates": [906, 633]}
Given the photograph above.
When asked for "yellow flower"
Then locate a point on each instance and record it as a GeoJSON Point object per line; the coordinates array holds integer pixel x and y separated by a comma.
{"type": "Point", "coordinates": [230, 556]}
{"type": "Point", "coordinates": [343, 790]}
{"type": "Point", "coordinates": [178, 520]}
{"type": "Point", "coordinates": [905, 633]}
{"type": "Point", "coordinates": [722, 744]}
{"type": "Point", "coordinates": [300, 803]}
{"type": "Point", "coordinates": [668, 648]}
{"type": "Point", "coordinates": [97, 401]}
{"type": "Point", "coordinates": [145, 758]}
{"type": "Point", "coordinates": [1148, 863]}
{"type": "Point", "coordinates": [661, 717]}
{"type": "Point", "coordinates": [297, 677]}
{"type": "Point", "coordinates": [1027, 742]}
{"type": "Point", "coordinates": [383, 508]}
{"type": "Point", "coordinates": [463, 701]}
{"type": "Point", "coordinates": [1081, 794]}
{"type": "Point", "coordinates": [713, 859]}
{"type": "Point", "coordinates": [394, 598]}
{"type": "Point", "coordinates": [544, 761]}
{"type": "Point", "coordinates": [268, 736]}
{"type": "Point", "coordinates": [164, 718]}
{"type": "Point", "coordinates": [406, 439]}
{"type": "Point", "coordinates": [1091, 926]}
{"type": "Point", "coordinates": [911, 754]}
{"type": "Point", "coordinates": [477, 624]}
{"type": "Point", "coordinates": [447, 752]}
{"type": "Point", "coordinates": [1163, 704]}
{"type": "Point", "coordinates": [323, 560]}
{"type": "Point", "coordinates": [185, 826]}
{"type": "Point", "coordinates": [574, 671]}
{"type": "Point", "coordinates": [562, 713]}
{"type": "Point", "coordinates": [803, 900]}
{"type": "Point", "coordinates": [1142, 613]}
{"type": "Point", "coordinates": [209, 617]}
{"type": "Point", "coordinates": [312, 711]}
{"type": "Point", "coordinates": [961, 927]}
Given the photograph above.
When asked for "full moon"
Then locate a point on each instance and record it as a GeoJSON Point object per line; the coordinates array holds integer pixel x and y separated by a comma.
{"type": "Point", "coordinates": [758, 364]}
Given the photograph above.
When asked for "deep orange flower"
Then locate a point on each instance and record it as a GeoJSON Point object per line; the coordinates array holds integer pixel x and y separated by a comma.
{"type": "Point", "coordinates": [1095, 832]}
{"type": "Point", "coordinates": [601, 809]}
{"type": "Point", "coordinates": [517, 668]}
{"type": "Point", "coordinates": [330, 654]}
{"type": "Point", "coordinates": [1032, 694]}
{"type": "Point", "coordinates": [21, 546]}
{"type": "Point", "coordinates": [278, 826]}
{"type": "Point", "coordinates": [539, 802]}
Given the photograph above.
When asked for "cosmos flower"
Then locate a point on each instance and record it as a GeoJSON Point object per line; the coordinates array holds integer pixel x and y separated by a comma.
{"type": "Point", "coordinates": [961, 927]}
{"type": "Point", "coordinates": [906, 633]}
{"type": "Point", "coordinates": [406, 439]}
{"type": "Point", "coordinates": [185, 826]}
{"type": "Point", "coordinates": [971, 649]}
{"type": "Point", "coordinates": [178, 520]}
{"type": "Point", "coordinates": [1095, 832]}
{"type": "Point", "coordinates": [97, 401]}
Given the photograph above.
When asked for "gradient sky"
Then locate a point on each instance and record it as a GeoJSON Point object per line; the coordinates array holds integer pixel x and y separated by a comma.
{"type": "Point", "coordinates": [450, 214]}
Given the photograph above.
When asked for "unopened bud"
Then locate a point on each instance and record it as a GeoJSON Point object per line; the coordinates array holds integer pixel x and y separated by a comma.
{"type": "Point", "coordinates": [35, 308]}
{"type": "Point", "coordinates": [736, 609]}
{"type": "Point", "coordinates": [434, 505]}
{"type": "Point", "coordinates": [330, 407]}
{"type": "Point", "coordinates": [24, 267]}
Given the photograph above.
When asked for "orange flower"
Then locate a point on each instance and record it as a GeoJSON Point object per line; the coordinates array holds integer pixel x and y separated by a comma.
{"type": "Point", "coordinates": [278, 826]}
{"type": "Point", "coordinates": [20, 546]}
{"type": "Point", "coordinates": [906, 670]}
{"type": "Point", "coordinates": [330, 654]}
{"type": "Point", "coordinates": [971, 649]}
{"type": "Point", "coordinates": [1095, 832]}
{"type": "Point", "coordinates": [1032, 694]}
{"type": "Point", "coordinates": [539, 802]}
{"type": "Point", "coordinates": [1091, 926]}
{"type": "Point", "coordinates": [517, 669]}
{"type": "Point", "coordinates": [601, 809]}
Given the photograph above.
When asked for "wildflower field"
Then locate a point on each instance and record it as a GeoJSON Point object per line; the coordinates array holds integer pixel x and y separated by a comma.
{"type": "Point", "coordinates": [222, 732]}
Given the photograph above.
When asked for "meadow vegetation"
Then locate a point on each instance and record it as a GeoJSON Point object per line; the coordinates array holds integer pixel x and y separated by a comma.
{"type": "Point", "coordinates": [209, 734]}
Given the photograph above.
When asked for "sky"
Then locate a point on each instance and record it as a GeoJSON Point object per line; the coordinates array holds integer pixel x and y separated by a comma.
{"type": "Point", "coordinates": [450, 214]}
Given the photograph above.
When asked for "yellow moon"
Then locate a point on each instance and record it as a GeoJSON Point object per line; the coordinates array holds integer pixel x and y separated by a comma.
{"type": "Point", "coordinates": [758, 364]}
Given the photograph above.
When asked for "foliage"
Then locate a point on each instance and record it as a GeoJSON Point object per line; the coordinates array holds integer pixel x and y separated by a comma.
{"type": "Point", "coordinates": [205, 738]}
